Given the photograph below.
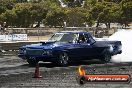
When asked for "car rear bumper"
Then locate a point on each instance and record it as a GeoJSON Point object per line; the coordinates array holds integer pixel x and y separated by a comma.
{"type": "Point", "coordinates": [117, 52]}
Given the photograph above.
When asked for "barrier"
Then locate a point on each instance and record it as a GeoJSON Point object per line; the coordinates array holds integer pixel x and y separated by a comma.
{"type": "Point", "coordinates": [19, 37]}
{"type": "Point", "coordinates": [14, 37]}
{"type": "Point", "coordinates": [15, 45]}
{"type": "Point", "coordinates": [2, 37]}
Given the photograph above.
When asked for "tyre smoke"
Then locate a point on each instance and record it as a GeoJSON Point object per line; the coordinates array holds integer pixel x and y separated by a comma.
{"type": "Point", "coordinates": [125, 36]}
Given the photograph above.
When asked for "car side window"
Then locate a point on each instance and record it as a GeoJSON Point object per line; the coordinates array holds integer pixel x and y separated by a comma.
{"type": "Point", "coordinates": [86, 38]}
{"type": "Point", "coordinates": [91, 40]}
{"type": "Point", "coordinates": [82, 39]}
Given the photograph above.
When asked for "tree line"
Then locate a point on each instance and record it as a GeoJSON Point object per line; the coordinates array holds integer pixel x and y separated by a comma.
{"type": "Point", "coordinates": [25, 13]}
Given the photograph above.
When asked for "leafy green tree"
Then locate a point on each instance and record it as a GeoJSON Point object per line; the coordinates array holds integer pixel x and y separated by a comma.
{"type": "Point", "coordinates": [38, 13]}
{"type": "Point", "coordinates": [9, 16]}
{"type": "Point", "coordinates": [26, 14]}
{"type": "Point", "coordinates": [6, 5]}
{"type": "Point", "coordinates": [115, 1]}
{"type": "Point", "coordinates": [105, 13]}
{"type": "Point", "coordinates": [95, 11]}
{"type": "Point", "coordinates": [21, 1]}
{"type": "Point", "coordinates": [107, 16]}
{"type": "Point", "coordinates": [22, 11]}
{"type": "Point", "coordinates": [76, 16]}
{"type": "Point", "coordinates": [55, 18]}
{"type": "Point", "coordinates": [89, 4]}
{"type": "Point", "coordinates": [74, 3]}
{"type": "Point", "coordinates": [88, 19]}
{"type": "Point", "coordinates": [126, 12]}
{"type": "Point", "coordinates": [69, 1]}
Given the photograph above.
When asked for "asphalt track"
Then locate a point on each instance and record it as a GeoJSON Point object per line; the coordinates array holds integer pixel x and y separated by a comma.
{"type": "Point", "coordinates": [15, 73]}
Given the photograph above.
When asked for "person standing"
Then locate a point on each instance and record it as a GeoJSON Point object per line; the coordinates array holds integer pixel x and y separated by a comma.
{"type": "Point", "coordinates": [4, 26]}
{"type": "Point", "coordinates": [1, 28]}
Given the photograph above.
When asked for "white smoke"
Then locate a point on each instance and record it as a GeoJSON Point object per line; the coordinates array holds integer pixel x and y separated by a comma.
{"type": "Point", "coordinates": [125, 36]}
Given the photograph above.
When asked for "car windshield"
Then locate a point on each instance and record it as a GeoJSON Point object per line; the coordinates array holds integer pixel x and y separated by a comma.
{"type": "Point", "coordinates": [63, 37]}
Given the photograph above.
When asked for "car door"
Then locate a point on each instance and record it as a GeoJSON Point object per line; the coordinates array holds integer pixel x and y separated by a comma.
{"type": "Point", "coordinates": [83, 47]}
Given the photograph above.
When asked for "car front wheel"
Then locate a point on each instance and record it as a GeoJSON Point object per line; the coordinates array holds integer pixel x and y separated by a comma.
{"type": "Point", "coordinates": [63, 59]}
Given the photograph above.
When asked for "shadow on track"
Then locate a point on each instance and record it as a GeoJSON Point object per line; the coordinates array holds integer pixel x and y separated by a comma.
{"type": "Point", "coordinates": [95, 63]}
{"type": "Point", "coordinates": [51, 65]}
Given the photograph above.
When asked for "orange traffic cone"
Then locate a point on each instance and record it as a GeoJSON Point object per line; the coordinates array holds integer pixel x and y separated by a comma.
{"type": "Point", "coordinates": [37, 73]}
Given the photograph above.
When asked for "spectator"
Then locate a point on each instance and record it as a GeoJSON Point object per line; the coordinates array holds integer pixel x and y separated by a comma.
{"type": "Point", "coordinates": [4, 26]}
{"type": "Point", "coordinates": [0, 28]}
{"type": "Point", "coordinates": [3, 29]}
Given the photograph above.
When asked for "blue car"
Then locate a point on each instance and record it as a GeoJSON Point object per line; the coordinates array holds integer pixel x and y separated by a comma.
{"type": "Point", "coordinates": [67, 46]}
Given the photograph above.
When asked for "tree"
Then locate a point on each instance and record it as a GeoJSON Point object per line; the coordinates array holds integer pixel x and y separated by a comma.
{"type": "Point", "coordinates": [105, 13]}
{"type": "Point", "coordinates": [90, 4]}
{"type": "Point", "coordinates": [38, 13]}
{"type": "Point", "coordinates": [9, 16]}
{"type": "Point", "coordinates": [115, 1]}
{"type": "Point", "coordinates": [69, 1]}
{"type": "Point", "coordinates": [21, 1]}
{"type": "Point", "coordinates": [95, 11]}
{"type": "Point", "coordinates": [22, 11]}
{"type": "Point", "coordinates": [74, 3]}
{"type": "Point", "coordinates": [51, 3]}
{"type": "Point", "coordinates": [76, 16]}
{"type": "Point", "coordinates": [55, 18]}
{"type": "Point", "coordinates": [89, 20]}
{"type": "Point", "coordinates": [126, 12]}
{"type": "Point", "coordinates": [6, 5]}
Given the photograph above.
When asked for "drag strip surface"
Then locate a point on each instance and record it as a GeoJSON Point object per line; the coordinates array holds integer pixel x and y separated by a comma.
{"type": "Point", "coordinates": [15, 72]}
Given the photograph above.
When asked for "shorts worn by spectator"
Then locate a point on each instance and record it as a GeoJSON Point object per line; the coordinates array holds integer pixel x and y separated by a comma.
{"type": "Point", "coordinates": [3, 28]}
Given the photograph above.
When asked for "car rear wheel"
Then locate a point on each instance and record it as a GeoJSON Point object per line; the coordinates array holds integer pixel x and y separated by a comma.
{"type": "Point", "coordinates": [106, 57]}
{"type": "Point", "coordinates": [63, 59]}
{"type": "Point", "coordinates": [32, 61]}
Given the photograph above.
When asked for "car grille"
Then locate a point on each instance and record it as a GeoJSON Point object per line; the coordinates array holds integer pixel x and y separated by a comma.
{"type": "Point", "coordinates": [34, 52]}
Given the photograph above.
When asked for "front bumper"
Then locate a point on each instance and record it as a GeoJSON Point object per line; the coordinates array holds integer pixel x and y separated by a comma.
{"type": "Point", "coordinates": [39, 58]}
{"type": "Point", "coordinates": [22, 56]}
{"type": "Point", "coordinates": [39, 54]}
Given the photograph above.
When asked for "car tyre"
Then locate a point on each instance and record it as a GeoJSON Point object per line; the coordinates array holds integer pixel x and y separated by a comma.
{"type": "Point", "coordinates": [63, 59]}
{"type": "Point", "coordinates": [106, 57]}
